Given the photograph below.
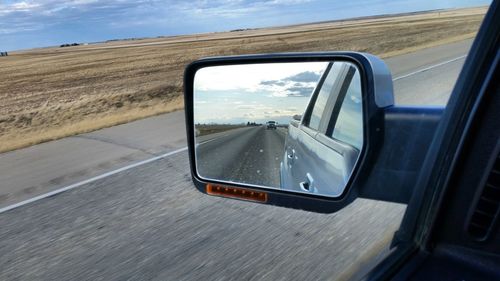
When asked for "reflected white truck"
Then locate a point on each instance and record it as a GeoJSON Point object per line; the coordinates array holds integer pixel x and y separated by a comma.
{"type": "Point", "coordinates": [323, 145]}
{"type": "Point", "coordinates": [271, 125]}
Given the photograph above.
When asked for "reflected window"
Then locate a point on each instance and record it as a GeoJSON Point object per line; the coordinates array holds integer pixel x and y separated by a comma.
{"type": "Point", "coordinates": [349, 125]}
{"type": "Point", "coordinates": [324, 95]}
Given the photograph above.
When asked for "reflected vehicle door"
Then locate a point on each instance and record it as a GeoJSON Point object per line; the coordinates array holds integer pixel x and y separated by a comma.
{"type": "Point", "coordinates": [322, 149]}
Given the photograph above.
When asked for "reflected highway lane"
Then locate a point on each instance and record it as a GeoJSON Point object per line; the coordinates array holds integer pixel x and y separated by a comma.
{"type": "Point", "coordinates": [246, 155]}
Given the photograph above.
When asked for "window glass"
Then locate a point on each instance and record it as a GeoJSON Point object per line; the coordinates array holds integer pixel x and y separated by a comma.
{"type": "Point", "coordinates": [322, 98]}
{"type": "Point", "coordinates": [92, 100]}
{"type": "Point", "coordinates": [349, 125]}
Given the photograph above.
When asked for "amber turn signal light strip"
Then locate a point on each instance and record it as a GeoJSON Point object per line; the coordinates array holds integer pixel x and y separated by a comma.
{"type": "Point", "coordinates": [236, 192]}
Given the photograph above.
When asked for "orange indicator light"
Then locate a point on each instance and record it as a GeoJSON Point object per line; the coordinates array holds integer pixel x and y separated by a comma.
{"type": "Point", "coordinates": [236, 192]}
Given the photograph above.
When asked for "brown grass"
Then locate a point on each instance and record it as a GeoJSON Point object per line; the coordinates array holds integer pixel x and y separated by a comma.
{"type": "Point", "coordinates": [51, 93]}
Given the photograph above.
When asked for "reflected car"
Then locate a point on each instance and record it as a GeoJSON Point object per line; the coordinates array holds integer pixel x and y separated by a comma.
{"type": "Point", "coordinates": [271, 125]}
{"type": "Point", "coordinates": [321, 149]}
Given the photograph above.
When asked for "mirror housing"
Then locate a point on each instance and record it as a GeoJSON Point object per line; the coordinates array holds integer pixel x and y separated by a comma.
{"type": "Point", "coordinates": [377, 94]}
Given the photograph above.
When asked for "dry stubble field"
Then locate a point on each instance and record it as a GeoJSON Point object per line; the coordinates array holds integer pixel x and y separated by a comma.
{"type": "Point", "coordinates": [51, 93]}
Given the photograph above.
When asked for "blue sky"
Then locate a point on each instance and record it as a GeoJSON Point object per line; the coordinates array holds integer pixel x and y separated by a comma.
{"type": "Point", "coordinates": [27, 24]}
{"type": "Point", "coordinates": [256, 92]}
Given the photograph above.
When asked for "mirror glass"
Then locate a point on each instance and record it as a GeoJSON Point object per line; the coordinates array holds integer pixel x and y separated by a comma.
{"type": "Point", "coordinates": [291, 126]}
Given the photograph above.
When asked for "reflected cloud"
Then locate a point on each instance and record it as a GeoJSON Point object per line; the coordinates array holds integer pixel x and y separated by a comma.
{"type": "Point", "coordinates": [254, 92]}
{"type": "Point", "coordinates": [298, 85]}
{"type": "Point", "coordinates": [300, 91]}
{"type": "Point", "coordinates": [273, 83]}
{"type": "Point", "coordinates": [306, 76]}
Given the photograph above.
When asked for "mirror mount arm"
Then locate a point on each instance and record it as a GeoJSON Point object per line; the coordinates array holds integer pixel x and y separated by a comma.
{"type": "Point", "coordinates": [408, 132]}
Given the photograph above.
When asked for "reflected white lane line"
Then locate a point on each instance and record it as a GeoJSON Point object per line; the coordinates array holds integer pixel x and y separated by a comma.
{"type": "Point", "coordinates": [429, 68]}
{"type": "Point", "coordinates": [69, 187]}
{"type": "Point", "coordinates": [211, 140]}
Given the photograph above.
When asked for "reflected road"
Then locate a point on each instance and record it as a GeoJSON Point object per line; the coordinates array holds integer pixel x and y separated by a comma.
{"type": "Point", "coordinates": [246, 155]}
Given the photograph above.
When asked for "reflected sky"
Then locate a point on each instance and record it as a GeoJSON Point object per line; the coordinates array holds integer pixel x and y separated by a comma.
{"type": "Point", "coordinates": [254, 93]}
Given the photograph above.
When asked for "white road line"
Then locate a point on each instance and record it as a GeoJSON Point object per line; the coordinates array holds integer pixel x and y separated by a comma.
{"type": "Point", "coordinates": [211, 140]}
{"type": "Point", "coordinates": [218, 137]}
{"type": "Point", "coordinates": [57, 191]}
{"type": "Point", "coordinates": [428, 68]}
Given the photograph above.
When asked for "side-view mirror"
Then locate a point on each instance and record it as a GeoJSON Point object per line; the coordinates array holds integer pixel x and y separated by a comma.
{"type": "Point", "coordinates": [295, 130]}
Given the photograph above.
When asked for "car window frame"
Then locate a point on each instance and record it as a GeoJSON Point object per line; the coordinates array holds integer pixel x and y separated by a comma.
{"type": "Point", "coordinates": [328, 100]}
{"type": "Point", "coordinates": [340, 102]}
{"type": "Point", "coordinates": [351, 71]}
{"type": "Point", "coordinates": [304, 123]}
{"type": "Point", "coordinates": [332, 99]}
{"type": "Point", "coordinates": [321, 134]}
{"type": "Point", "coordinates": [414, 239]}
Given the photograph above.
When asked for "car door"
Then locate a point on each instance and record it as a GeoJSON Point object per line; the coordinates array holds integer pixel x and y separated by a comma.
{"type": "Point", "coordinates": [322, 149]}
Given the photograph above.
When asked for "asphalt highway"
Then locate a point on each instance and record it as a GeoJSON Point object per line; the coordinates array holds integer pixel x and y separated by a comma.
{"type": "Point", "coordinates": [249, 155]}
{"type": "Point", "coordinates": [148, 222]}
